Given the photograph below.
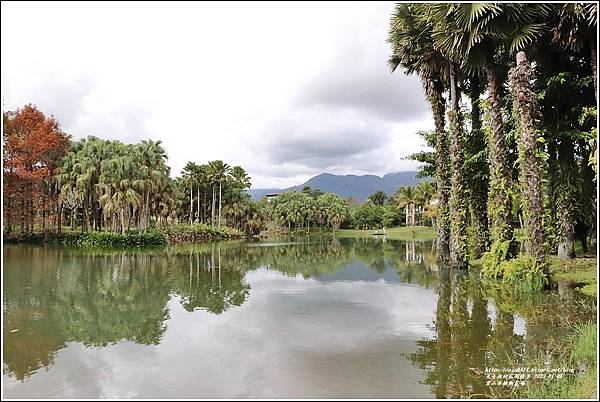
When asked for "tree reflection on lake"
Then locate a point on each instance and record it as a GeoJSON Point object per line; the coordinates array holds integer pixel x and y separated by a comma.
{"type": "Point", "coordinates": [382, 297]}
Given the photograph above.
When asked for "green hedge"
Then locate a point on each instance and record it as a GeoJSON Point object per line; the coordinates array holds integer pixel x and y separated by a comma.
{"type": "Point", "coordinates": [108, 239]}
{"type": "Point", "coordinates": [155, 237]}
{"type": "Point", "coordinates": [200, 232]}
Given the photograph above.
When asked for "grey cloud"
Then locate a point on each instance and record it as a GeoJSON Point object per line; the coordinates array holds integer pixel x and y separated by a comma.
{"type": "Point", "coordinates": [67, 100]}
{"type": "Point", "coordinates": [342, 117]}
{"type": "Point", "coordinates": [392, 98]}
{"type": "Point", "coordinates": [125, 124]}
{"type": "Point", "coordinates": [321, 138]}
{"type": "Point", "coordinates": [359, 78]}
{"type": "Point", "coordinates": [61, 97]}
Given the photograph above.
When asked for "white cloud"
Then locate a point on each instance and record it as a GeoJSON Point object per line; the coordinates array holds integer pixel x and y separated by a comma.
{"type": "Point", "coordinates": [211, 80]}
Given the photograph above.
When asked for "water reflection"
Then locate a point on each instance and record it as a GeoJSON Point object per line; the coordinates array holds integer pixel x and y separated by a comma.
{"type": "Point", "coordinates": [341, 303]}
{"type": "Point", "coordinates": [478, 328]}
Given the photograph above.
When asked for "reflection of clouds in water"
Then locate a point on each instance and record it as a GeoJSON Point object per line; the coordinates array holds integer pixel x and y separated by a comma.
{"type": "Point", "coordinates": [80, 372]}
{"type": "Point", "coordinates": [292, 337]}
{"type": "Point", "coordinates": [520, 324]}
{"type": "Point", "coordinates": [372, 307]}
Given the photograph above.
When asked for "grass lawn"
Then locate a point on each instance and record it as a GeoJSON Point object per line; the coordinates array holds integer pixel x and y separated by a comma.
{"type": "Point", "coordinates": [581, 271]}
{"type": "Point", "coordinates": [399, 233]}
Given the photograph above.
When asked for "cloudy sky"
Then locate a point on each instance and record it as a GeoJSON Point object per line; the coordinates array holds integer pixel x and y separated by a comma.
{"type": "Point", "coordinates": [285, 90]}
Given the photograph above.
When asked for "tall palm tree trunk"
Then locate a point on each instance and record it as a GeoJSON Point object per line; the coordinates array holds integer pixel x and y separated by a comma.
{"type": "Point", "coordinates": [458, 189]}
{"type": "Point", "coordinates": [204, 206]}
{"type": "Point", "coordinates": [122, 216]}
{"type": "Point", "coordinates": [191, 202]}
{"type": "Point", "coordinates": [220, 200]}
{"type": "Point", "coordinates": [565, 198]}
{"type": "Point", "coordinates": [499, 196]}
{"type": "Point", "coordinates": [198, 206]}
{"type": "Point", "coordinates": [478, 178]}
{"type": "Point", "coordinates": [435, 97]}
{"type": "Point", "coordinates": [527, 114]}
{"type": "Point", "coordinates": [212, 209]}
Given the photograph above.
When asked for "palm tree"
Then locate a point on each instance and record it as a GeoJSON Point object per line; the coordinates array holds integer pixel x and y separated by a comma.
{"type": "Point", "coordinates": [203, 181]}
{"type": "Point", "coordinates": [88, 168]}
{"type": "Point", "coordinates": [67, 178]}
{"type": "Point", "coordinates": [240, 177]}
{"type": "Point", "coordinates": [527, 114]}
{"type": "Point", "coordinates": [424, 192]}
{"type": "Point", "coordinates": [189, 170]}
{"type": "Point", "coordinates": [479, 36]}
{"type": "Point", "coordinates": [152, 176]}
{"type": "Point", "coordinates": [218, 172]}
{"type": "Point", "coordinates": [574, 29]}
{"type": "Point", "coordinates": [378, 197]}
{"type": "Point", "coordinates": [406, 197]}
{"type": "Point", "coordinates": [443, 27]}
{"type": "Point", "coordinates": [412, 47]}
{"type": "Point", "coordinates": [478, 172]}
{"type": "Point", "coordinates": [118, 188]}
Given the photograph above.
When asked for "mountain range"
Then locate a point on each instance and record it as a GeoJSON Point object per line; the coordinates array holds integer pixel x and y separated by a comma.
{"type": "Point", "coordinates": [359, 187]}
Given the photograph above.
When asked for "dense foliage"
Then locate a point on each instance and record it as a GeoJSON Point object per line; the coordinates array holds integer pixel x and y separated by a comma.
{"type": "Point", "coordinates": [103, 186]}
{"type": "Point", "coordinates": [523, 154]}
{"type": "Point", "coordinates": [32, 148]}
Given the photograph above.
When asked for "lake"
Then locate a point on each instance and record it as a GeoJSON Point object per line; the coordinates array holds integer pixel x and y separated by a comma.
{"type": "Point", "coordinates": [304, 317]}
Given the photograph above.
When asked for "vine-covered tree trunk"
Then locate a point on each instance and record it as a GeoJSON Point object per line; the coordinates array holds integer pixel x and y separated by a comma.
{"type": "Point", "coordinates": [527, 115]}
{"type": "Point", "coordinates": [565, 198]}
{"type": "Point", "coordinates": [458, 186]}
{"type": "Point", "coordinates": [478, 175]}
{"type": "Point", "coordinates": [594, 62]}
{"type": "Point", "coordinates": [499, 198]}
{"type": "Point", "coordinates": [434, 93]}
{"type": "Point", "coordinates": [586, 219]}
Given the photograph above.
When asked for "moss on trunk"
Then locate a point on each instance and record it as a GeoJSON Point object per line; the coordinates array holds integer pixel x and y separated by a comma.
{"type": "Point", "coordinates": [434, 92]}
{"type": "Point", "coordinates": [527, 116]}
{"type": "Point", "coordinates": [500, 196]}
{"type": "Point", "coordinates": [459, 250]}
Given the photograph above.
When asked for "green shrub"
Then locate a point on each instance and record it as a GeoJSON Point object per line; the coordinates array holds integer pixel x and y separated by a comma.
{"type": "Point", "coordinates": [200, 232]}
{"type": "Point", "coordinates": [492, 260]}
{"type": "Point", "coordinates": [523, 273]}
{"type": "Point", "coordinates": [153, 237]}
{"type": "Point", "coordinates": [109, 239]}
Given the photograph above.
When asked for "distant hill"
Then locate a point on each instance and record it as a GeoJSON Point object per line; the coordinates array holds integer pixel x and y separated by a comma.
{"type": "Point", "coordinates": [351, 185]}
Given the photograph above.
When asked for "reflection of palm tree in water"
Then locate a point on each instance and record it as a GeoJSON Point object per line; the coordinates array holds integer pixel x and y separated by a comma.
{"type": "Point", "coordinates": [212, 288]}
{"type": "Point", "coordinates": [456, 358]}
{"type": "Point", "coordinates": [411, 255]}
{"type": "Point", "coordinates": [459, 321]}
{"type": "Point", "coordinates": [479, 328]}
{"type": "Point", "coordinates": [444, 334]}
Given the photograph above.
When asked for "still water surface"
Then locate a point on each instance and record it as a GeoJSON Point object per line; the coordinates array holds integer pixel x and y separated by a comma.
{"type": "Point", "coordinates": [308, 318]}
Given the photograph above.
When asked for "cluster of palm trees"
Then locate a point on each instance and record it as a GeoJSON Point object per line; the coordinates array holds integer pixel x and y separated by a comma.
{"type": "Point", "coordinates": [486, 48]}
{"type": "Point", "coordinates": [109, 185]}
{"type": "Point", "coordinates": [114, 185]}
{"type": "Point", "coordinates": [417, 201]}
{"type": "Point", "coordinates": [206, 181]}
{"type": "Point", "coordinates": [303, 209]}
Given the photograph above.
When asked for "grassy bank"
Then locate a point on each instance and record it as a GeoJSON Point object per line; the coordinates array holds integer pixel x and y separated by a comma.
{"type": "Point", "coordinates": [581, 272]}
{"type": "Point", "coordinates": [579, 352]}
{"type": "Point", "coordinates": [399, 233]}
{"type": "Point", "coordinates": [154, 237]}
